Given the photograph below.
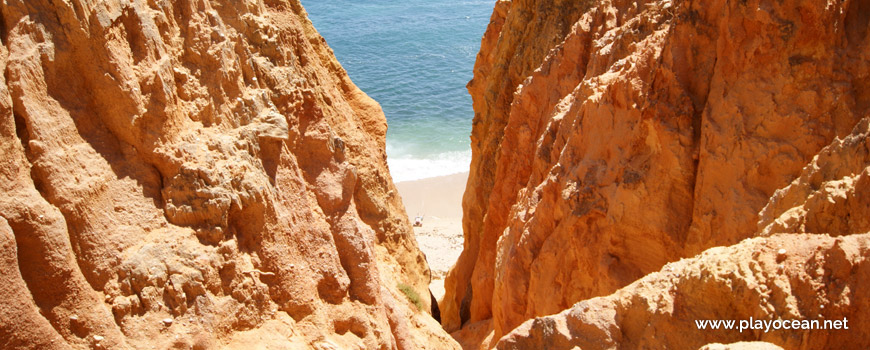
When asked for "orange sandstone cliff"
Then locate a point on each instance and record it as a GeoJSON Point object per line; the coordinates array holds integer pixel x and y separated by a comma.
{"type": "Point", "coordinates": [788, 275]}
{"type": "Point", "coordinates": [612, 138]}
{"type": "Point", "coordinates": [195, 174]}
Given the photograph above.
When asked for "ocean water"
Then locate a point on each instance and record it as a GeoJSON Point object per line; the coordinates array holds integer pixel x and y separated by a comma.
{"type": "Point", "coordinates": [414, 57]}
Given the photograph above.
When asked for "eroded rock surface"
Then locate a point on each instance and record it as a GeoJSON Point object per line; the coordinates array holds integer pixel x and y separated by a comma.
{"type": "Point", "coordinates": [785, 276]}
{"type": "Point", "coordinates": [612, 137]}
{"type": "Point", "coordinates": [831, 195]}
{"type": "Point", "coordinates": [195, 174]}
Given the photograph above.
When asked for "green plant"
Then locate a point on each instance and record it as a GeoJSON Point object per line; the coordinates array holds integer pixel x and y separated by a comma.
{"type": "Point", "coordinates": [411, 294]}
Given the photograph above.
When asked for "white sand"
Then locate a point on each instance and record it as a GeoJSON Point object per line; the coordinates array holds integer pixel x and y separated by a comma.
{"type": "Point", "coordinates": [439, 201]}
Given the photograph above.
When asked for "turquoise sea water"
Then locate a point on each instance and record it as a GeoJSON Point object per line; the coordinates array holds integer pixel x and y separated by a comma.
{"type": "Point", "coordinates": [414, 57]}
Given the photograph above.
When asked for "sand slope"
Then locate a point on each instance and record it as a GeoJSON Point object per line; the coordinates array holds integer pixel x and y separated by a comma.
{"type": "Point", "coordinates": [439, 201]}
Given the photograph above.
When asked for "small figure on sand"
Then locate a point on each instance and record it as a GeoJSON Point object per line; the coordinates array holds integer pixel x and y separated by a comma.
{"type": "Point", "coordinates": [418, 221]}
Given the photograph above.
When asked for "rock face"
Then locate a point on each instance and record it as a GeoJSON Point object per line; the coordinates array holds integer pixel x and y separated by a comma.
{"type": "Point", "coordinates": [613, 137]}
{"type": "Point", "coordinates": [818, 278]}
{"type": "Point", "coordinates": [195, 174]}
{"type": "Point", "coordinates": [831, 193]}
{"type": "Point", "coordinates": [787, 275]}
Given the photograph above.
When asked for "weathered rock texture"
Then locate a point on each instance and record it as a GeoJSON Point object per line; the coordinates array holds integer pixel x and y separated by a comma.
{"type": "Point", "coordinates": [832, 193]}
{"type": "Point", "coordinates": [612, 137]}
{"type": "Point", "coordinates": [787, 276]}
{"type": "Point", "coordinates": [818, 278]}
{"type": "Point", "coordinates": [195, 174]}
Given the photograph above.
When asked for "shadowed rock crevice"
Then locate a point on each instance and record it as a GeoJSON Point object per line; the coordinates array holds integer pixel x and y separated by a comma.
{"type": "Point", "coordinates": [858, 21]}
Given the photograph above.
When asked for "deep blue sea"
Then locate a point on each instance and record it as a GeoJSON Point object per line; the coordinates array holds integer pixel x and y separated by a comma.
{"type": "Point", "coordinates": [414, 57]}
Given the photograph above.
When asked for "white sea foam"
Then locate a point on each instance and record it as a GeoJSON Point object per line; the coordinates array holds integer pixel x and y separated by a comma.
{"type": "Point", "coordinates": [409, 168]}
{"type": "Point", "coordinates": [416, 65]}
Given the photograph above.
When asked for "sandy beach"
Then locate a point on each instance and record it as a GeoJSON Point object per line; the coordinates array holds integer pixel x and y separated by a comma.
{"type": "Point", "coordinates": [439, 201]}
